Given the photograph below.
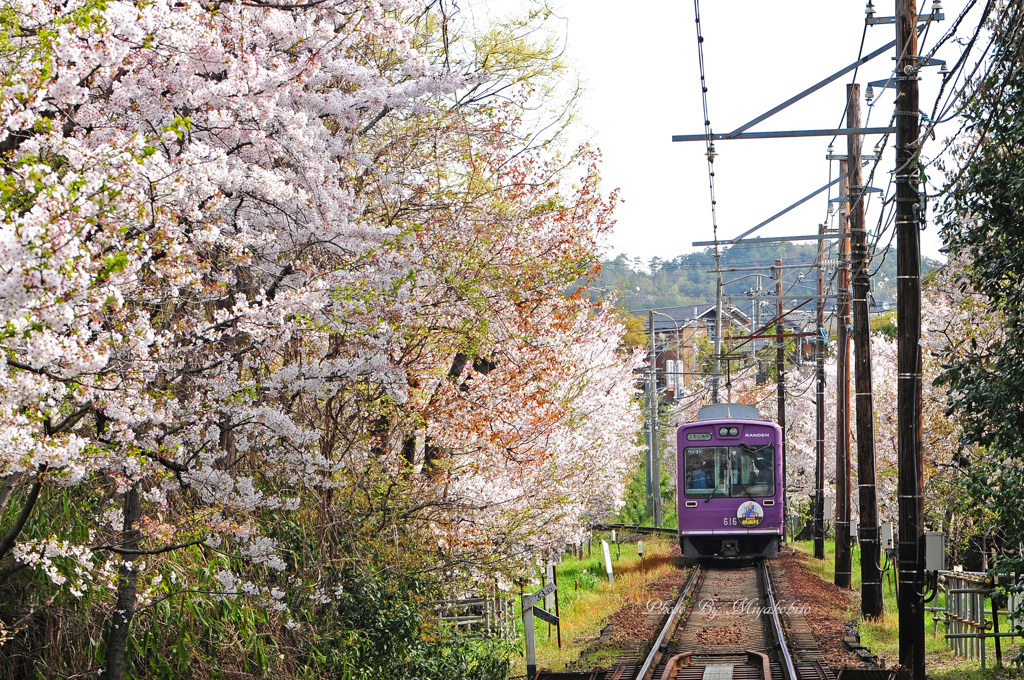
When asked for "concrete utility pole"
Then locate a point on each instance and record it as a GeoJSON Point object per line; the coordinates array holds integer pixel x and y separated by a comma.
{"type": "Point", "coordinates": [780, 385]}
{"type": "Point", "coordinates": [718, 337]}
{"type": "Point", "coordinates": [844, 558]}
{"type": "Point", "coordinates": [755, 319]}
{"type": "Point", "coordinates": [653, 472]}
{"type": "Point", "coordinates": [819, 442]}
{"type": "Point", "coordinates": [870, 576]}
{"type": "Point", "coordinates": [908, 276]}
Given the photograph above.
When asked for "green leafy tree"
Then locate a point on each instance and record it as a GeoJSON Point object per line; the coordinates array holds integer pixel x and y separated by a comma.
{"type": "Point", "coordinates": [635, 511]}
{"type": "Point", "coordinates": [885, 324]}
{"type": "Point", "coordinates": [984, 226]}
{"type": "Point", "coordinates": [688, 280]}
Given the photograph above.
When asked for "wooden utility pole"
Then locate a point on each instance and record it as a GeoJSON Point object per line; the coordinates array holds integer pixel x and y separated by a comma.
{"type": "Point", "coordinates": [819, 446]}
{"type": "Point", "coordinates": [870, 576]}
{"type": "Point", "coordinates": [844, 558]}
{"type": "Point", "coordinates": [780, 385]}
{"type": "Point", "coordinates": [910, 486]}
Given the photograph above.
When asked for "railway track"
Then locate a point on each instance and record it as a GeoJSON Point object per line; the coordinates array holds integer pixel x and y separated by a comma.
{"type": "Point", "coordinates": [730, 625]}
{"type": "Point", "coordinates": [726, 624]}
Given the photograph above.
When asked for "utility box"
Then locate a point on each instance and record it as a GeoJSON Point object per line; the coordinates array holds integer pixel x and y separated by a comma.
{"type": "Point", "coordinates": [934, 551]}
{"type": "Point", "coordinates": [828, 508]}
{"type": "Point", "coordinates": [854, 529]}
{"type": "Point", "coordinates": [885, 533]}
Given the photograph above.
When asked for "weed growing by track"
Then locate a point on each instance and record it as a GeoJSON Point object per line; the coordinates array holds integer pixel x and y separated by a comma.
{"type": "Point", "coordinates": [587, 601]}
{"type": "Point", "coordinates": [882, 637]}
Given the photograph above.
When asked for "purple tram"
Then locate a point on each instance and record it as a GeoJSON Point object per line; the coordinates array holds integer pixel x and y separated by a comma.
{"type": "Point", "coordinates": [729, 484]}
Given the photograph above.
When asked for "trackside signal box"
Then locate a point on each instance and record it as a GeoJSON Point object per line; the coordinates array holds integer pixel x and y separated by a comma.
{"type": "Point", "coordinates": [934, 551]}
{"type": "Point", "coordinates": [886, 536]}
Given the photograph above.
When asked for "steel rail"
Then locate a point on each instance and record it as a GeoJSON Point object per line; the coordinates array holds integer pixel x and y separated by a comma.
{"type": "Point", "coordinates": [787, 661]}
{"type": "Point", "coordinates": [669, 624]}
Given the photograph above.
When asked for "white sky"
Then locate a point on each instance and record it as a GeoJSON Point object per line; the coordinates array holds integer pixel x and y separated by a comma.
{"type": "Point", "coordinates": [642, 85]}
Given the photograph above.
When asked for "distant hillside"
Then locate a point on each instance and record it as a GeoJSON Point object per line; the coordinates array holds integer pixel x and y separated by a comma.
{"type": "Point", "coordinates": [688, 280]}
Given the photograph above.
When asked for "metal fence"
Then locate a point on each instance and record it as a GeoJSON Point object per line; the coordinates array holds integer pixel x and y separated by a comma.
{"type": "Point", "coordinates": [968, 621]}
{"type": "Point", "coordinates": [480, 616]}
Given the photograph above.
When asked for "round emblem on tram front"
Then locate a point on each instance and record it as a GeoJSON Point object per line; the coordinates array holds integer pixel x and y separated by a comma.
{"type": "Point", "coordinates": [750, 514]}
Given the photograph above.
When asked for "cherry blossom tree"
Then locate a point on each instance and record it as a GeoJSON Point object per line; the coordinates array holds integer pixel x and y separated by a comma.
{"type": "Point", "coordinates": [950, 326]}
{"type": "Point", "coordinates": [178, 215]}
{"type": "Point", "coordinates": [261, 261]}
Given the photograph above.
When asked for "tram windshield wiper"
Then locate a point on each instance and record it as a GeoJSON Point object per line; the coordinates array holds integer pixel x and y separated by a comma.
{"type": "Point", "coordinates": [714, 491]}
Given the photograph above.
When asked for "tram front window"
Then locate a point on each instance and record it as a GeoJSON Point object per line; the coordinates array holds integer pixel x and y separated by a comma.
{"type": "Point", "coordinates": [729, 471]}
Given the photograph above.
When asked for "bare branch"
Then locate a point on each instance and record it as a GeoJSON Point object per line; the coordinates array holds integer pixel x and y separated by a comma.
{"type": "Point", "coordinates": [154, 551]}
{"type": "Point", "coordinates": [26, 511]}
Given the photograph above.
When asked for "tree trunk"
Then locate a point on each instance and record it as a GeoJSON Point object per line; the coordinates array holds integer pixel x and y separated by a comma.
{"type": "Point", "coordinates": [127, 589]}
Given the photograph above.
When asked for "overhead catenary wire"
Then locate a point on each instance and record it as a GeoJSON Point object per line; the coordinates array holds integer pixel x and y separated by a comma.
{"type": "Point", "coordinates": [709, 144]}
{"type": "Point", "coordinates": [970, 84]}
{"type": "Point", "coordinates": [945, 101]}
{"type": "Point", "coordinates": [882, 235]}
{"type": "Point", "coordinates": [955, 84]}
{"type": "Point", "coordinates": [709, 147]}
{"type": "Point", "coordinates": [886, 218]}
{"type": "Point", "coordinates": [948, 36]}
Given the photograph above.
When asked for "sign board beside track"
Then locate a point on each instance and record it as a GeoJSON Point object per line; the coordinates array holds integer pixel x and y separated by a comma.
{"type": "Point", "coordinates": [530, 610]}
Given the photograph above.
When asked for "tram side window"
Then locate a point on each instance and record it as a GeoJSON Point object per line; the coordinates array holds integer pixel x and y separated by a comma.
{"type": "Point", "coordinates": [705, 472]}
